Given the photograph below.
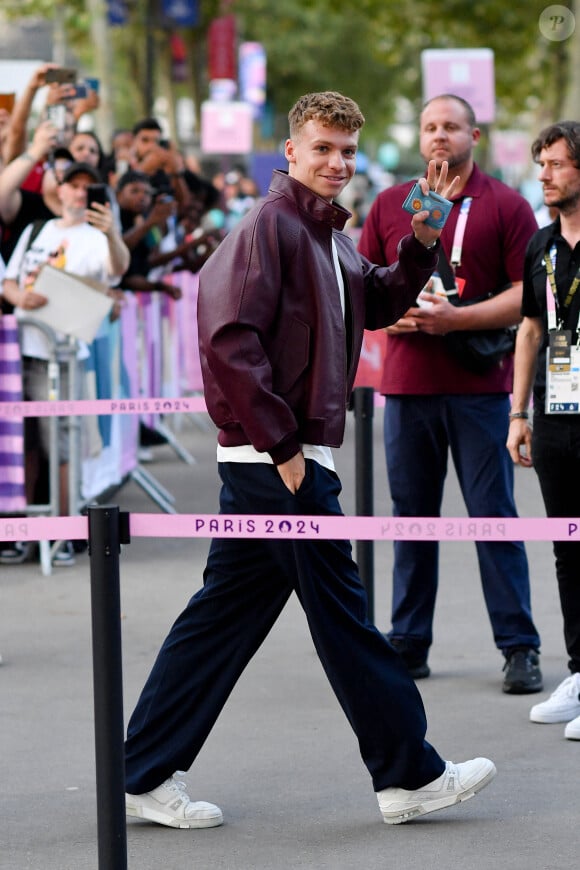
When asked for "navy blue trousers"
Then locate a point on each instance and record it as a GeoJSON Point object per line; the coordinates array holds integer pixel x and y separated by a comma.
{"type": "Point", "coordinates": [419, 432]}
{"type": "Point", "coordinates": [245, 586]}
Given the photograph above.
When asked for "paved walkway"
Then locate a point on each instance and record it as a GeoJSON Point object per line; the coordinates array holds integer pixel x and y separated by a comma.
{"type": "Point", "coordinates": [282, 761]}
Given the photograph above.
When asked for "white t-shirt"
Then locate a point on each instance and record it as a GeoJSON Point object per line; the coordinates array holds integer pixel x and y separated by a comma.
{"type": "Point", "coordinates": [80, 249]}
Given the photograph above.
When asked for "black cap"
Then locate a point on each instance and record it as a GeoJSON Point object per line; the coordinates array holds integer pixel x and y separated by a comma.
{"type": "Point", "coordinates": [81, 169]}
{"type": "Point", "coordinates": [62, 153]}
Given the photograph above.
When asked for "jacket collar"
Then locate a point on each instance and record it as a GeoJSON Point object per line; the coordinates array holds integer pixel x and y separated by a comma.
{"type": "Point", "coordinates": [306, 200]}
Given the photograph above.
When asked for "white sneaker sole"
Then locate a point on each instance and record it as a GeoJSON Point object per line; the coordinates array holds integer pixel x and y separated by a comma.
{"type": "Point", "coordinates": [552, 718]}
{"type": "Point", "coordinates": [413, 811]}
{"type": "Point", "coordinates": [139, 811]}
{"type": "Point", "coordinates": [572, 734]}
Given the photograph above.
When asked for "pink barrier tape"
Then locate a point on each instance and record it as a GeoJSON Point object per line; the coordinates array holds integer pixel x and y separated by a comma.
{"type": "Point", "coordinates": [102, 407]}
{"type": "Point", "coordinates": [305, 527]}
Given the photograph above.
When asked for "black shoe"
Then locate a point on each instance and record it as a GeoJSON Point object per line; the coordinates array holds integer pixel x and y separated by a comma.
{"type": "Point", "coordinates": [522, 672]}
{"type": "Point", "coordinates": [149, 437]}
{"type": "Point", "coordinates": [64, 556]}
{"type": "Point", "coordinates": [414, 660]}
{"type": "Point", "coordinates": [419, 671]}
{"type": "Point", "coordinates": [15, 552]}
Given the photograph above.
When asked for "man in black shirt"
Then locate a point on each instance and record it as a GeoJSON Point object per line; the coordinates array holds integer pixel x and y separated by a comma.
{"type": "Point", "coordinates": [548, 360]}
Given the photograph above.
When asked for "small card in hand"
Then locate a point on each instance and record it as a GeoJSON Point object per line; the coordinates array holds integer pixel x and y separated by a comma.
{"type": "Point", "coordinates": [437, 206]}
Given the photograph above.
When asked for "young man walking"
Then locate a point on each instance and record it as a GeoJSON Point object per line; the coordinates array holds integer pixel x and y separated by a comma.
{"type": "Point", "coordinates": [282, 309]}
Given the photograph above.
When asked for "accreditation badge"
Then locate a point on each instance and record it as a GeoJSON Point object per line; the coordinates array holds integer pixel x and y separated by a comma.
{"type": "Point", "coordinates": [562, 374]}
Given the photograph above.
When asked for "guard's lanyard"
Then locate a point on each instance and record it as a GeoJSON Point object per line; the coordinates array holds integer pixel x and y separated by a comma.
{"type": "Point", "coordinates": [460, 232]}
{"type": "Point", "coordinates": [552, 304]}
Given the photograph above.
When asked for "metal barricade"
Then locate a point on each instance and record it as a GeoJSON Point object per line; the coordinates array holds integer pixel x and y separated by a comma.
{"type": "Point", "coordinates": [62, 352]}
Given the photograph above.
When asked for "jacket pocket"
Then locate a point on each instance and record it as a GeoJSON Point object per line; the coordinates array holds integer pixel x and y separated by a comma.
{"type": "Point", "coordinates": [293, 355]}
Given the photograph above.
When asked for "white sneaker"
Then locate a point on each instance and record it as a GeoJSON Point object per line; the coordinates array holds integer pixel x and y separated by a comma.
{"type": "Point", "coordinates": [457, 783]}
{"type": "Point", "coordinates": [169, 804]}
{"type": "Point", "coordinates": [572, 729]}
{"type": "Point", "coordinates": [562, 705]}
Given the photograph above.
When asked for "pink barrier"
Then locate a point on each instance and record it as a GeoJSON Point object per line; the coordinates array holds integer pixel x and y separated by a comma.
{"type": "Point", "coordinates": [305, 527]}
{"type": "Point", "coordinates": [190, 371]}
{"type": "Point", "coordinates": [112, 377]}
{"type": "Point", "coordinates": [80, 407]}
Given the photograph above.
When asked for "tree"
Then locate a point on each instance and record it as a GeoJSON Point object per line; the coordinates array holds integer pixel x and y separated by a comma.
{"type": "Point", "coordinates": [376, 46]}
{"type": "Point", "coordinates": [371, 50]}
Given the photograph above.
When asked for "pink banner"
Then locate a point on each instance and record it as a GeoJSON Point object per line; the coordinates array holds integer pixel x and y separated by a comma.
{"type": "Point", "coordinates": [305, 527]}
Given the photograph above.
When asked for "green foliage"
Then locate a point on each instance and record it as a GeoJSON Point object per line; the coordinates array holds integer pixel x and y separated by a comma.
{"type": "Point", "coordinates": [370, 49]}
{"type": "Point", "coordinates": [375, 47]}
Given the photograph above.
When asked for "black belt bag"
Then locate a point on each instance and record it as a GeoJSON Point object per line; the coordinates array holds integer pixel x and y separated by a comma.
{"type": "Point", "coordinates": [477, 350]}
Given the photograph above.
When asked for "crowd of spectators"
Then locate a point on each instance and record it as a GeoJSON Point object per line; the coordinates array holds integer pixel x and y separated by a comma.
{"type": "Point", "coordinates": [170, 216]}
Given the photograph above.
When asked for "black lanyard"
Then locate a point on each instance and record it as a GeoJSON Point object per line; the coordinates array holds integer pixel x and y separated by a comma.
{"type": "Point", "coordinates": [549, 260]}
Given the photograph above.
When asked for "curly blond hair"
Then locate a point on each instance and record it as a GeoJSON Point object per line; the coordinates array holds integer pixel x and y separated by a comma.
{"type": "Point", "coordinates": [329, 108]}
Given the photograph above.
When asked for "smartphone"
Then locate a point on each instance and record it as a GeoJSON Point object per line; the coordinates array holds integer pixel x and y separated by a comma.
{"type": "Point", "coordinates": [121, 167]}
{"type": "Point", "coordinates": [7, 101]}
{"type": "Point", "coordinates": [56, 113]}
{"type": "Point", "coordinates": [93, 84]}
{"type": "Point", "coordinates": [436, 205]}
{"type": "Point", "coordinates": [62, 75]}
{"type": "Point", "coordinates": [97, 193]}
{"type": "Point", "coordinates": [80, 92]}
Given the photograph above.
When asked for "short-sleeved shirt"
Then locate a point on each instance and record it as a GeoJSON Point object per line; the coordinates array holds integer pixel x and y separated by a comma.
{"type": "Point", "coordinates": [499, 226]}
{"type": "Point", "coordinates": [534, 296]}
{"type": "Point", "coordinates": [80, 249]}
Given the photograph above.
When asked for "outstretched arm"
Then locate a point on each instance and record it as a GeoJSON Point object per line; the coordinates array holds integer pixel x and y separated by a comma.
{"type": "Point", "coordinates": [13, 175]}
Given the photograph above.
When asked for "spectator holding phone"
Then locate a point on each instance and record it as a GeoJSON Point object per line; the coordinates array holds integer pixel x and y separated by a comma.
{"type": "Point", "coordinates": [86, 147]}
{"type": "Point", "coordinates": [162, 162]}
{"type": "Point", "coordinates": [144, 216]}
{"type": "Point", "coordinates": [19, 206]}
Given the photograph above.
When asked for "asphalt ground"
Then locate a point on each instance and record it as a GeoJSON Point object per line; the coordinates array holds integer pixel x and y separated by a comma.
{"type": "Point", "coordinates": [282, 761]}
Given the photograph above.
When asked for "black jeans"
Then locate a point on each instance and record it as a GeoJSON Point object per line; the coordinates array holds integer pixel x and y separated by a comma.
{"type": "Point", "coordinates": [556, 456]}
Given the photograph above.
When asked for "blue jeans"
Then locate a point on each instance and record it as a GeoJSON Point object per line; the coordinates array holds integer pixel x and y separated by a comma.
{"type": "Point", "coordinates": [556, 457]}
{"type": "Point", "coordinates": [419, 431]}
{"type": "Point", "coordinates": [246, 584]}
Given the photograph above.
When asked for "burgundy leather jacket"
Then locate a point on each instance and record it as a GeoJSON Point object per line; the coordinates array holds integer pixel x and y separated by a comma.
{"type": "Point", "coordinates": [278, 357]}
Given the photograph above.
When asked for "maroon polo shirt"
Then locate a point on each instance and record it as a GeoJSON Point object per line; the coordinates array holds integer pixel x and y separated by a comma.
{"type": "Point", "coordinates": [499, 226]}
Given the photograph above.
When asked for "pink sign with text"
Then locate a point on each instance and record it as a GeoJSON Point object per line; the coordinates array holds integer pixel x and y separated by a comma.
{"type": "Point", "coordinates": [465, 72]}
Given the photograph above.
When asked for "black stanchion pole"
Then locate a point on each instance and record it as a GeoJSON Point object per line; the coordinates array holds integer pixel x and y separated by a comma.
{"type": "Point", "coordinates": [108, 529]}
{"type": "Point", "coordinates": [363, 404]}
